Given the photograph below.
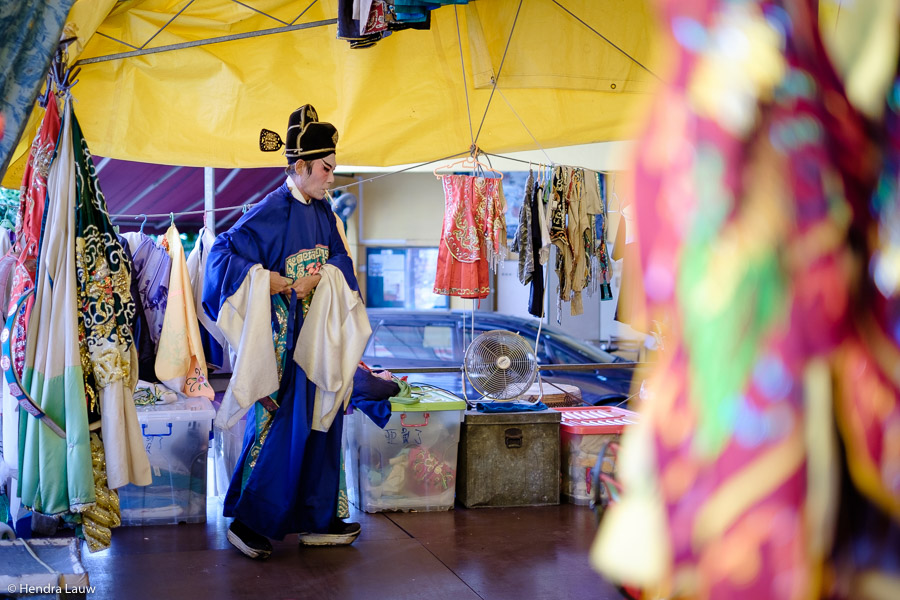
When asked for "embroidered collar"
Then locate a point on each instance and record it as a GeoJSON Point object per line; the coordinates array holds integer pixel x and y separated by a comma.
{"type": "Point", "coordinates": [296, 192]}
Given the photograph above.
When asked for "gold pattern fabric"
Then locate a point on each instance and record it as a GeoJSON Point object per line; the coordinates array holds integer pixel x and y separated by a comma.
{"type": "Point", "coordinates": [102, 517]}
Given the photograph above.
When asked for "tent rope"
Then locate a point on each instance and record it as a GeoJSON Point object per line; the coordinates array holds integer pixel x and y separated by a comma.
{"type": "Point", "coordinates": [606, 39]}
{"type": "Point", "coordinates": [499, 70]}
{"type": "Point", "coordinates": [508, 103]}
{"type": "Point", "coordinates": [161, 29]}
{"type": "Point", "coordinates": [304, 11]}
{"type": "Point", "coordinates": [462, 64]}
{"type": "Point", "coordinates": [552, 163]}
{"type": "Point", "coordinates": [176, 46]}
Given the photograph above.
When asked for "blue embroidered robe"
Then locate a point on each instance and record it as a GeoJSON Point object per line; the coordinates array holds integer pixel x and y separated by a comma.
{"type": "Point", "coordinates": [292, 484]}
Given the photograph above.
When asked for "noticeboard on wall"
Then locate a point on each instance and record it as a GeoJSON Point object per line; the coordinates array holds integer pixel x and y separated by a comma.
{"type": "Point", "coordinates": [402, 278]}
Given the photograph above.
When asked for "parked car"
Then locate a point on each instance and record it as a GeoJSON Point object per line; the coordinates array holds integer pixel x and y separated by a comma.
{"type": "Point", "coordinates": [410, 339]}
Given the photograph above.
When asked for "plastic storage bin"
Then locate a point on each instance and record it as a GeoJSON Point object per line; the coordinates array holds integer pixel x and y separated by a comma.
{"type": "Point", "coordinates": [225, 452]}
{"type": "Point", "coordinates": [410, 465]}
{"type": "Point", "coordinates": [583, 433]}
{"type": "Point", "coordinates": [176, 437]}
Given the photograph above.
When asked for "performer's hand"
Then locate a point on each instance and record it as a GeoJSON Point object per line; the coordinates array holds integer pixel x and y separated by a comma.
{"type": "Point", "coordinates": [278, 284]}
{"type": "Point", "coordinates": [305, 285]}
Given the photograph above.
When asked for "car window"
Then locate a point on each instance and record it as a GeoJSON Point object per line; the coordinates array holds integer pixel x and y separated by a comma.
{"type": "Point", "coordinates": [422, 342]}
{"type": "Point", "coordinates": [567, 356]}
{"type": "Point", "coordinates": [542, 354]}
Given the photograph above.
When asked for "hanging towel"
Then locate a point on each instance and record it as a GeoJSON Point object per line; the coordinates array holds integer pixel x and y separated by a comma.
{"type": "Point", "coordinates": [55, 474]}
{"type": "Point", "coordinates": [180, 363]}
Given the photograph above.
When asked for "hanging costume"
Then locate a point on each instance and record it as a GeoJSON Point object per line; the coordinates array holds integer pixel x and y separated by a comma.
{"type": "Point", "coordinates": [20, 263]}
{"type": "Point", "coordinates": [527, 244]}
{"type": "Point", "coordinates": [106, 315]}
{"type": "Point", "coordinates": [55, 474]}
{"type": "Point", "coordinates": [28, 224]}
{"type": "Point", "coordinates": [140, 329]}
{"type": "Point", "coordinates": [575, 202]}
{"type": "Point", "coordinates": [473, 239]}
{"type": "Point", "coordinates": [152, 266]}
{"type": "Point", "coordinates": [180, 363]}
{"type": "Point", "coordinates": [288, 475]}
{"type": "Point", "coordinates": [214, 345]}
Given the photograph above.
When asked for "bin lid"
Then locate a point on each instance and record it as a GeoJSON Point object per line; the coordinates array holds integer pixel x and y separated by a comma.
{"type": "Point", "coordinates": [431, 399]}
{"type": "Point", "coordinates": [183, 409]}
{"type": "Point", "coordinates": [531, 417]}
{"type": "Point", "coordinates": [588, 420]}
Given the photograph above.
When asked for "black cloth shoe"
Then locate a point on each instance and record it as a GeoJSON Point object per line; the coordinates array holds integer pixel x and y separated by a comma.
{"type": "Point", "coordinates": [339, 534]}
{"type": "Point", "coordinates": [248, 541]}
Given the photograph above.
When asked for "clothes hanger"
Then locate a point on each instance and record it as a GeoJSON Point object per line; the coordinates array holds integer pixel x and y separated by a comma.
{"type": "Point", "coordinates": [469, 162]}
{"type": "Point", "coordinates": [171, 219]}
{"type": "Point", "coordinates": [142, 222]}
{"type": "Point", "coordinates": [611, 191]}
{"type": "Point", "coordinates": [466, 162]}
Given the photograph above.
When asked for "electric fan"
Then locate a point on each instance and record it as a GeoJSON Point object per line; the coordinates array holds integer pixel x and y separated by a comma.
{"type": "Point", "coordinates": [500, 365]}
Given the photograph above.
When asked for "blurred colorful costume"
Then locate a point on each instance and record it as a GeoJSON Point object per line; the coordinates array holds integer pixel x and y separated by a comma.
{"type": "Point", "coordinates": [761, 219]}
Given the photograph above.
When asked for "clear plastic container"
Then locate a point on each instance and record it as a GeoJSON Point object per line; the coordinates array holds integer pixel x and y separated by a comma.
{"type": "Point", "coordinates": [176, 437]}
{"type": "Point", "coordinates": [410, 465]}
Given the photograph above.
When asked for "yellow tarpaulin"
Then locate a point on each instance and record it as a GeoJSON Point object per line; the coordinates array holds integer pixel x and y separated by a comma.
{"type": "Point", "coordinates": [575, 72]}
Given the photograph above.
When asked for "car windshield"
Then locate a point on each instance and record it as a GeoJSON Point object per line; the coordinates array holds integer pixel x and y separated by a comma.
{"type": "Point", "coordinates": [596, 355]}
{"type": "Point", "coordinates": [572, 344]}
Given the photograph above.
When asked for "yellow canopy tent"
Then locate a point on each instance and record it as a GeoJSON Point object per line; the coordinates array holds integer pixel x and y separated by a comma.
{"type": "Point", "coordinates": [192, 83]}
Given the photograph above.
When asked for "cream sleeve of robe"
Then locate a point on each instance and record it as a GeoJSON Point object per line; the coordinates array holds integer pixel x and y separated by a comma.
{"type": "Point", "coordinates": [331, 342]}
{"type": "Point", "coordinates": [245, 321]}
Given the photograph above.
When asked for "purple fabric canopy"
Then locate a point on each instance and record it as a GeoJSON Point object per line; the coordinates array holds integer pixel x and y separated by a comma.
{"type": "Point", "coordinates": [133, 188]}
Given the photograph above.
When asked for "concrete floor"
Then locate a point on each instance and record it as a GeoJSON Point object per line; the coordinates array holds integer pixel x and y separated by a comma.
{"type": "Point", "coordinates": [489, 553]}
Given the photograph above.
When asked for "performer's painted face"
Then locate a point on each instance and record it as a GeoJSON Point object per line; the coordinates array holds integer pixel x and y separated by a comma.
{"type": "Point", "coordinates": [314, 183]}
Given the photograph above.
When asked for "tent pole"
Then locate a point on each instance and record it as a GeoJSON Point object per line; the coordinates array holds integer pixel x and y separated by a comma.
{"type": "Point", "coordinates": [195, 43]}
{"type": "Point", "coordinates": [209, 199]}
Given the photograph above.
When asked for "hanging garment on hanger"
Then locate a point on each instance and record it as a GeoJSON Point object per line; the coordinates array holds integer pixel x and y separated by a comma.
{"type": "Point", "coordinates": [134, 238]}
{"type": "Point", "coordinates": [591, 206]}
{"type": "Point", "coordinates": [28, 225]}
{"type": "Point", "coordinates": [601, 262]}
{"type": "Point", "coordinates": [522, 243]}
{"type": "Point", "coordinates": [536, 298]}
{"type": "Point", "coordinates": [106, 321]}
{"type": "Point", "coordinates": [473, 239]}
{"type": "Point", "coordinates": [152, 266]}
{"type": "Point", "coordinates": [215, 346]}
{"type": "Point", "coordinates": [559, 235]}
{"type": "Point", "coordinates": [180, 362]}
{"type": "Point", "coordinates": [55, 474]}
{"type": "Point", "coordinates": [576, 226]}
{"type": "Point", "coordinates": [140, 329]}
{"type": "Point", "coordinates": [542, 207]}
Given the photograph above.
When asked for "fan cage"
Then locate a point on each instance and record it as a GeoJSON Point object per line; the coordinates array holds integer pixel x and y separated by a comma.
{"type": "Point", "coordinates": [500, 365]}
